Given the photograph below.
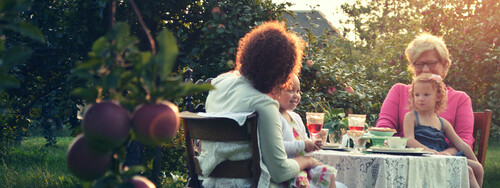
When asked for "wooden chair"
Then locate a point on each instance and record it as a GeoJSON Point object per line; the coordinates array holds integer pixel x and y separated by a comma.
{"type": "Point", "coordinates": [222, 130]}
{"type": "Point", "coordinates": [482, 123]}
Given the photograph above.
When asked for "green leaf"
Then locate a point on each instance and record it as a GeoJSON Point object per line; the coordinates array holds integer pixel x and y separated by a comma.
{"type": "Point", "coordinates": [27, 30]}
{"type": "Point", "coordinates": [2, 48]}
{"type": "Point", "coordinates": [6, 5]}
{"type": "Point", "coordinates": [120, 30]}
{"type": "Point", "coordinates": [142, 60]}
{"type": "Point", "coordinates": [191, 89]}
{"type": "Point", "coordinates": [16, 55]}
{"type": "Point", "coordinates": [100, 48]}
{"type": "Point", "coordinates": [337, 111]}
{"type": "Point", "coordinates": [89, 94]}
{"type": "Point", "coordinates": [111, 80]}
{"type": "Point", "coordinates": [8, 81]}
{"type": "Point", "coordinates": [167, 52]}
{"type": "Point", "coordinates": [133, 170]}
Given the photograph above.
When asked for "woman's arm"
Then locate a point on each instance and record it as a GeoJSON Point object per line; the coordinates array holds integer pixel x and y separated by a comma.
{"type": "Point", "coordinates": [306, 162]}
{"type": "Point", "coordinates": [464, 120]}
{"type": "Point", "coordinates": [409, 132]}
{"type": "Point", "coordinates": [458, 142]}
{"type": "Point", "coordinates": [271, 143]}
{"type": "Point", "coordinates": [388, 116]}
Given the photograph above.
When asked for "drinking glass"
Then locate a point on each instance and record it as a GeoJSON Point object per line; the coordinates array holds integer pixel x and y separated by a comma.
{"type": "Point", "coordinates": [314, 122]}
{"type": "Point", "coordinates": [356, 129]}
{"type": "Point", "coordinates": [323, 134]}
{"type": "Point", "coordinates": [333, 137]}
{"type": "Point", "coordinates": [357, 121]}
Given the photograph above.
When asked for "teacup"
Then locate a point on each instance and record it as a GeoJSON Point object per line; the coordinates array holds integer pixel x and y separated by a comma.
{"type": "Point", "coordinates": [397, 142]}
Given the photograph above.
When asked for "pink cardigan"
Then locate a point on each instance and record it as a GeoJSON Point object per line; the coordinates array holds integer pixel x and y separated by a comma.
{"type": "Point", "coordinates": [458, 111]}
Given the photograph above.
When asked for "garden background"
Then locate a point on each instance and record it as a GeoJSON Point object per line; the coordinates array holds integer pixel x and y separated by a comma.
{"type": "Point", "coordinates": [43, 42]}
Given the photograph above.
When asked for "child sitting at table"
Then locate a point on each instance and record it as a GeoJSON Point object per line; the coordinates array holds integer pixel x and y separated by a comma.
{"type": "Point", "coordinates": [296, 141]}
{"type": "Point", "coordinates": [426, 129]}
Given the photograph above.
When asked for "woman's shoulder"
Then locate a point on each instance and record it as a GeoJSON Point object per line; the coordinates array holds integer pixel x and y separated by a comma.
{"type": "Point", "coordinates": [456, 93]}
{"type": "Point", "coordinates": [399, 90]}
{"type": "Point", "coordinates": [400, 86]}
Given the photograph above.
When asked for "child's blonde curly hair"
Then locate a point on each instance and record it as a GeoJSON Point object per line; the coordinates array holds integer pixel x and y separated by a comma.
{"type": "Point", "coordinates": [437, 85]}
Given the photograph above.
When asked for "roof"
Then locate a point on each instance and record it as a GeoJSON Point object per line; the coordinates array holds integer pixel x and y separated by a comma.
{"type": "Point", "coordinates": [315, 21]}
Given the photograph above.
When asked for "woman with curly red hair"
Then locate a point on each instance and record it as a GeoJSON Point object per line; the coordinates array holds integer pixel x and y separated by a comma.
{"type": "Point", "coordinates": [267, 57]}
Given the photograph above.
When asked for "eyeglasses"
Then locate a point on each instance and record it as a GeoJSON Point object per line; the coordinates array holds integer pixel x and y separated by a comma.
{"type": "Point", "coordinates": [420, 64]}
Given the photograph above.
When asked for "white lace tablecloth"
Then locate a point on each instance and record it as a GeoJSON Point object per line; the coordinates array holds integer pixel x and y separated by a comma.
{"type": "Point", "coordinates": [381, 170]}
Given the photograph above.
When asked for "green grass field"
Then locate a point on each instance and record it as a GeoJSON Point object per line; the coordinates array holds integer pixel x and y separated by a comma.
{"type": "Point", "coordinates": [492, 165]}
{"type": "Point", "coordinates": [33, 165]}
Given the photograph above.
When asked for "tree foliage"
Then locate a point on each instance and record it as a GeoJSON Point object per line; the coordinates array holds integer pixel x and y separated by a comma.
{"type": "Point", "coordinates": [64, 72]}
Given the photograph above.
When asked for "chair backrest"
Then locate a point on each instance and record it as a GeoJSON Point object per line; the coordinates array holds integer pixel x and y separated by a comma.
{"type": "Point", "coordinates": [222, 130]}
{"type": "Point", "coordinates": [482, 123]}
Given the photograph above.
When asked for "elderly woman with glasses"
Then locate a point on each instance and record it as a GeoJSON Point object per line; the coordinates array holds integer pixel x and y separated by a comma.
{"type": "Point", "coordinates": [428, 54]}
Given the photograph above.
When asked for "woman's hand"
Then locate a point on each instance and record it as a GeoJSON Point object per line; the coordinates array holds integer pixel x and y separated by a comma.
{"type": "Point", "coordinates": [311, 146]}
{"type": "Point", "coordinates": [307, 162]}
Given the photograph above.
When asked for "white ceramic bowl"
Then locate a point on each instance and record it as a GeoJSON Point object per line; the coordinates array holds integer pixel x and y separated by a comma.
{"type": "Point", "coordinates": [397, 142]}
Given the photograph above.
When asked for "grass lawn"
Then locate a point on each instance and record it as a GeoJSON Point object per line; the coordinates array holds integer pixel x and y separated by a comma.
{"type": "Point", "coordinates": [33, 165]}
{"type": "Point", "coordinates": [492, 165]}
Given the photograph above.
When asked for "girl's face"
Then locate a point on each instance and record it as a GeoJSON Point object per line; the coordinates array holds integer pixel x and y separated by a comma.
{"type": "Point", "coordinates": [428, 62]}
{"type": "Point", "coordinates": [424, 96]}
{"type": "Point", "coordinates": [289, 99]}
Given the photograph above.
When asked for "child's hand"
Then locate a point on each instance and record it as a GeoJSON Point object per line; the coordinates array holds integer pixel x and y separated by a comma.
{"type": "Point", "coordinates": [443, 153]}
{"type": "Point", "coordinates": [318, 143]}
{"type": "Point", "coordinates": [433, 151]}
{"type": "Point", "coordinates": [310, 146]}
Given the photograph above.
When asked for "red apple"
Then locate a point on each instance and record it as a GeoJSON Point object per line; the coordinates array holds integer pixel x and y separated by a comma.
{"type": "Point", "coordinates": [85, 163]}
{"type": "Point", "coordinates": [155, 124]}
{"type": "Point", "coordinates": [140, 182]}
{"type": "Point", "coordinates": [392, 62]}
{"type": "Point", "coordinates": [331, 90]}
{"type": "Point", "coordinates": [349, 89]}
{"type": "Point", "coordinates": [220, 25]}
{"type": "Point", "coordinates": [216, 10]}
{"type": "Point", "coordinates": [106, 125]}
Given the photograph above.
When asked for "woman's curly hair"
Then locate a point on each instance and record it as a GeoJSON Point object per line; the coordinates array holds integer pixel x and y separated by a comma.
{"type": "Point", "coordinates": [438, 86]}
{"type": "Point", "coordinates": [268, 55]}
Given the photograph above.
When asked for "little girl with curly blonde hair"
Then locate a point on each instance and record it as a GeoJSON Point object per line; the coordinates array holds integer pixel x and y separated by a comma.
{"type": "Point", "coordinates": [426, 129]}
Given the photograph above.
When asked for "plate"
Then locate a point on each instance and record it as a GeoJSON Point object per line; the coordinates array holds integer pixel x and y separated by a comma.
{"type": "Point", "coordinates": [333, 147]}
{"type": "Point", "coordinates": [330, 145]}
{"type": "Point", "coordinates": [404, 151]}
{"type": "Point", "coordinates": [337, 149]}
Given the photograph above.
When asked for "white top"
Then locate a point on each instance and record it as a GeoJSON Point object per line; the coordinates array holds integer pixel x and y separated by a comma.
{"type": "Point", "coordinates": [293, 146]}
{"type": "Point", "coordinates": [234, 93]}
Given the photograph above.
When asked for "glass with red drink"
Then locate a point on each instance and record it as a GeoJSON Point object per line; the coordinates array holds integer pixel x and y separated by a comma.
{"type": "Point", "coordinates": [314, 122]}
{"type": "Point", "coordinates": [356, 129]}
{"type": "Point", "coordinates": [357, 122]}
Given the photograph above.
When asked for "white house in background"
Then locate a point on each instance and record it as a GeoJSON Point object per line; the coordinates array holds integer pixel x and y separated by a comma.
{"type": "Point", "coordinates": [315, 21]}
